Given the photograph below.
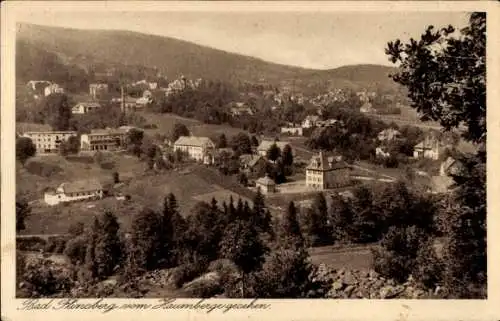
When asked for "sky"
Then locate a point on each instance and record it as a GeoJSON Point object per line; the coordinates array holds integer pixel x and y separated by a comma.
{"type": "Point", "coordinates": [319, 40]}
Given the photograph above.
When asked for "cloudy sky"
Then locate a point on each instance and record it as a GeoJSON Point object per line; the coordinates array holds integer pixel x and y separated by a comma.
{"type": "Point", "coordinates": [319, 40]}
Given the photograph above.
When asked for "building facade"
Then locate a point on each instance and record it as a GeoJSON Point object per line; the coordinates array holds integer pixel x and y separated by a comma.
{"type": "Point", "coordinates": [96, 90]}
{"type": "Point", "coordinates": [196, 148]}
{"type": "Point", "coordinates": [327, 173]}
{"type": "Point", "coordinates": [74, 191]}
{"type": "Point", "coordinates": [85, 107]}
{"type": "Point", "coordinates": [430, 148]}
{"type": "Point", "coordinates": [53, 89]}
{"type": "Point", "coordinates": [266, 185]}
{"type": "Point", "coordinates": [104, 139]}
{"type": "Point", "coordinates": [49, 142]}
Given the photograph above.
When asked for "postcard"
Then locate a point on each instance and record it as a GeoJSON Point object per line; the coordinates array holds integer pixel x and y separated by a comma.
{"type": "Point", "coordinates": [251, 160]}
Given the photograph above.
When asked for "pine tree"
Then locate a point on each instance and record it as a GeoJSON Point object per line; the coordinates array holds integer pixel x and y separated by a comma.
{"type": "Point", "coordinates": [145, 239]}
{"type": "Point", "coordinates": [261, 216]}
{"type": "Point", "coordinates": [241, 244]}
{"type": "Point", "coordinates": [108, 248]}
{"type": "Point", "coordinates": [290, 234]}
{"type": "Point", "coordinates": [91, 266]}
{"type": "Point", "coordinates": [319, 228]}
{"type": "Point", "coordinates": [341, 219]}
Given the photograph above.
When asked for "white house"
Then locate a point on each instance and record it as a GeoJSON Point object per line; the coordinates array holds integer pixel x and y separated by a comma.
{"type": "Point", "coordinates": [85, 107]}
{"type": "Point", "coordinates": [293, 131]}
{"type": "Point", "coordinates": [310, 121]}
{"type": "Point", "coordinates": [389, 134]}
{"type": "Point", "coordinates": [430, 148]}
{"type": "Point", "coordinates": [49, 141]}
{"type": "Point", "coordinates": [53, 89]}
{"type": "Point", "coordinates": [266, 185]}
{"type": "Point", "coordinates": [196, 147]}
{"type": "Point", "coordinates": [98, 89]}
{"type": "Point", "coordinates": [74, 191]}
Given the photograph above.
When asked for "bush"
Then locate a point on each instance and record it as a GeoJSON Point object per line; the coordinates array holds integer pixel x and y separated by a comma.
{"type": "Point", "coordinates": [396, 257]}
{"type": "Point", "coordinates": [76, 249]}
{"type": "Point", "coordinates": [42, 169]}
{"type": "Point", "coordinates": [32, 243]}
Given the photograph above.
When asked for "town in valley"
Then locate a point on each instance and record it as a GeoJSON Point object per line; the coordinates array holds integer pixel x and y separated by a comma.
{"type": "Point", "coordinates": [177, 170]}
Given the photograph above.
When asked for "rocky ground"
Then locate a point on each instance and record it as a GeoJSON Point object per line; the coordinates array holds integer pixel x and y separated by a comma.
{"type": "Point", "coordinates": [355, 284]}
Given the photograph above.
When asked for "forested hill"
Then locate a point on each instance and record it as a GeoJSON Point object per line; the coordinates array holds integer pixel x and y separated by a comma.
{"type": "Point", "coordinates": [60, 53]}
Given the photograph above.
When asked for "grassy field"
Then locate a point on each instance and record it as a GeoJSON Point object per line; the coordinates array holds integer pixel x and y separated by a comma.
{"type": "Point", "coordinates": [41, 172]}
{"type": "Point", "coordinates": [190, 186]}
{"type": "Point", "coordinates": [345, 257]}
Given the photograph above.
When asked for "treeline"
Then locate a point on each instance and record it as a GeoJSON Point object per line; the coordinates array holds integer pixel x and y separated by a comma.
{"type": "Point", "coordinates": [260, 252]}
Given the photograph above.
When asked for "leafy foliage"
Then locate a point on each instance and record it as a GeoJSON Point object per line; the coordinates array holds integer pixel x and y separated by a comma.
{"type": "Point", "coordinates": [24, 149]}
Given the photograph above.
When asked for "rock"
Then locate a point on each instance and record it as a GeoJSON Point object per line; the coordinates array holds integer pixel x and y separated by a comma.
{"type": "Point", "coordinates": [337, 285]}
{"type": "Point", "coordinates": [389, 292]}
{"type": "Point", "coordinates": [391, 282]}
{"type": "Point", "coordinates": [372, 274]}
{"type": "Point", "coordinates": [349, 290]}
{"type": "Point", "coordinates": [349, 279]}
{"type": "Point", "coordinates": [378, 284]}
{"type": "Point", "coordinates": [340, 272]}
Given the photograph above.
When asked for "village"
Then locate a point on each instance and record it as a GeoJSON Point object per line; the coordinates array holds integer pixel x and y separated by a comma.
{"type": "Point", "coordinates": [313, 171]}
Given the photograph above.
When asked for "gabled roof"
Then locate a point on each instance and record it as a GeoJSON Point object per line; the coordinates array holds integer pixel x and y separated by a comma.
{"type": "Point", "coordinates": [81, 186]}
{"type": "Point", "coordinates": [194, 141]}
{"type": "Point", "coordinates": [250, 159]}
{"type": "Point", "coordinates": [322, 163]}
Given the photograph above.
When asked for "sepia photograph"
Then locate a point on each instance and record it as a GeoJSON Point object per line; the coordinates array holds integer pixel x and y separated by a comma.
{"type": "Point", "coordinates": [272, 155]}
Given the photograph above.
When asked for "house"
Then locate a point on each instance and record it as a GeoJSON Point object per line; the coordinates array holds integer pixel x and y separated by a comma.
{"type": "Point", "coordinates": [326, 173]}
{"type": "Point", "coordinates": [266, 144]}
{"type": "Point", "coordinates": [95, 90]}
{"type": "Point", "coordinates": [128, 104]}
{"type": "Point", "coordinates": [294, 131]}
{"type": "Point", "coordinates": [37, 85]}
{"type": "Point", "coordinates": [367, 108]}
{"type": "Point", "coordinates": [196, 147]}
{"type": "Point", "coordinates": [142, 102]}
{"type": "Point", "coordinates": [74, 191]}
{"type": "Point", "coordinates": [240, 108]}
{"type": "Point", "coordinates": [266, 185]}
{"type": "Point", "coordinates": [252, 164]}
{"type": "Point", "coordinates": [450, 167]}
{"type": "Point", "coordinates": [49, 141]}
{"type": "Point", "coordinates": [389, 134]}
{"type": "Point", "coordinates": [382, 152]}
{"type": "Point", "coordinates": [430, 148]}
{"type": "Point", "coordinates": [53, 89]}
{"type": "Point", "coordinates": [104, 139]}
{"type": "Point", "coordinates": [310, 121]}
{"type": "Point", "coordinates": [444, 182]}
{"type": "Point", "coordinates": [85, 107]}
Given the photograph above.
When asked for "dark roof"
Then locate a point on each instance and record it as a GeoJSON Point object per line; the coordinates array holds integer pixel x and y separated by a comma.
{"type": "Point", "coordinates": [81, 186]}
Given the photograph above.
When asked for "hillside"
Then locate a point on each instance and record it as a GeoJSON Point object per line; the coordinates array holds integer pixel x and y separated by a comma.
{"type": "Point", "coordinates": [71, 52]}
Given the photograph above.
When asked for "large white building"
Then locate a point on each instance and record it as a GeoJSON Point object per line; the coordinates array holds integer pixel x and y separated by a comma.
{"type": "Point", "coordinates": [109, 139]}
{"type": "Point", "coordinates": [327, 172]}
{"type": "Point", "coordinates": [74, 191]}
{"type": "Point", "coordinates": [49, 141]}
{"type": "Point", "coordinates": [198, 148]}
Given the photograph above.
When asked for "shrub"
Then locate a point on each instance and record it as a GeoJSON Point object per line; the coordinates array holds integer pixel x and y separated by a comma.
{"type": "Point", "coordinates": [42, 169]}
{"type": "Point", "coordinates": [32, 243]}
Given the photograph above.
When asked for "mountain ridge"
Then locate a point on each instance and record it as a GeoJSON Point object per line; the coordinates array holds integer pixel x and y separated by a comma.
{"type": "Point", "coordinates": [86, 48]}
